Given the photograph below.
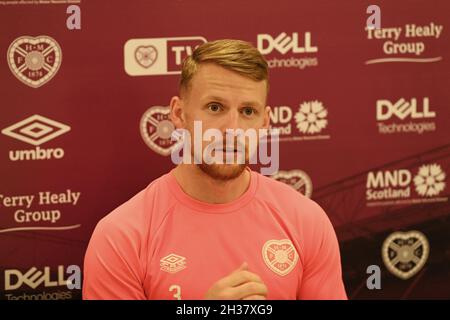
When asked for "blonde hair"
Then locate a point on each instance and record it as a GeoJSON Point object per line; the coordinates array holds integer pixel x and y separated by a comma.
{"type": "Point", "coordinates": [235, 55]}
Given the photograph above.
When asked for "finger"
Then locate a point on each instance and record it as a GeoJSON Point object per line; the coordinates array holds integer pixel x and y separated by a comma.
{"type": "Point", "coordinates": [239, 278]}
{"type": "Point", "coordinates": [245, 276]}
{"type": "Point", "coordinates": [244, 266]}
{"type": "Point", "coordinates": [248, 289]}
{"type": "Point", "coordinates": [254, 297]}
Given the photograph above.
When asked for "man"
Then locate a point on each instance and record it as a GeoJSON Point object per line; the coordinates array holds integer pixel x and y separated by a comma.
{"type": "Point", "coordinates": [218, 230]}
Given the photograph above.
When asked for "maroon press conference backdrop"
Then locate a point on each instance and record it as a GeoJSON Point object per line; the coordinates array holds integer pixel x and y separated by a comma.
{"type": "Point", "coordinates": [363, 113]}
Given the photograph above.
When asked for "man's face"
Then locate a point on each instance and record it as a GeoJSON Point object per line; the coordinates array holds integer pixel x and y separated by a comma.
{"type": "Point", "coordinates": [223, 99]}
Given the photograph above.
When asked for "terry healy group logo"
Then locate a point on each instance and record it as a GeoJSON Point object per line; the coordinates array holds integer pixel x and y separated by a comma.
{"type": "Point", "coordinates": [308, 122]}
{"type": "Point", "coordinates": [158, 56]}
{"type": "Point", "coordinates": [36, 130]}
{"type": "Point", "coordinates": [405, 116]}
{"type": "Point", "coordinates": [34, 60]}
{"type": "Point", "coordinates": [295, 50]}
{"type": "Point", "coordinates": [41, 211]}
{"type": "Point", "coordinates": [409, 43]}
{"type": "Point", "coordinates": [403, 186]}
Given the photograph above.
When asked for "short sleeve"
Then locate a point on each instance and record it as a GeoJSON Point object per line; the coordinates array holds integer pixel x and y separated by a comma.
{"type": "Point", "coordinates": [111, 265]}
{"type": "Point", "coordinates": [322, 274]}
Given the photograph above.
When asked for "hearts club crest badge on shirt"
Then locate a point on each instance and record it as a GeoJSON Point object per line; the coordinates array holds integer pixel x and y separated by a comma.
{"type": "Point", "coordinates": [280, 256]}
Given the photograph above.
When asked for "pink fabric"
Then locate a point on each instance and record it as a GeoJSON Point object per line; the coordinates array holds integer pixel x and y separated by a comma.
{"type": "Point", "coordinates": [163, 244]}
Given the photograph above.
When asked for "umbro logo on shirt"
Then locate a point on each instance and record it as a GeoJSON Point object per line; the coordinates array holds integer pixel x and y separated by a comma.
{"type": "Point", "coordinates": [172, 263]}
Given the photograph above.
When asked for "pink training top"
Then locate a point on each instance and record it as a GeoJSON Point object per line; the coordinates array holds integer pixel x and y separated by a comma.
{"type": "Point", "coordinates": [163, 244]}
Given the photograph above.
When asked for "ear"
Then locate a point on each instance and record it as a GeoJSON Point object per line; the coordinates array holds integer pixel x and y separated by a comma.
{"type": "Point", "coordinates": [266, 122]}
{"type": "Point", "coordinates": [176, 112]}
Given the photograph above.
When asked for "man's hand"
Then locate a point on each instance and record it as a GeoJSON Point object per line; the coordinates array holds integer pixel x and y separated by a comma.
{"type": "Point", "coordinates": [241, 284]}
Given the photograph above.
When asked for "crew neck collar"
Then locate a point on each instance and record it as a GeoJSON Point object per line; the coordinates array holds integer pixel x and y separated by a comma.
{"type": "Point", "coordinates": [207, 207]}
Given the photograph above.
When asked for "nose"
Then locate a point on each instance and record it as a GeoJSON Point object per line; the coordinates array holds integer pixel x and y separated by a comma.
{"type": "Point", "coordinates": [232, 121]}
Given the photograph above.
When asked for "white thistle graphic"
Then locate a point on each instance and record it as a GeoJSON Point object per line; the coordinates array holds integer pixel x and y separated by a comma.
{"type": "Point", "coordinates": [429, 180]}
{"type": "Point", "coordinates": [311, 117]}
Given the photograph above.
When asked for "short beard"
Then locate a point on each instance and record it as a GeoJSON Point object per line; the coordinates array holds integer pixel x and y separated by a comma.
{"type": "Point", "coordinates": [223, 172]}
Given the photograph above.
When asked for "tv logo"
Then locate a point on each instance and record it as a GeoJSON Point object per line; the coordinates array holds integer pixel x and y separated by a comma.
{"type": "Point", "coordinates": [284, 43]}
{"type": "Point", "coordinates": [158, 56]}
{"type": "Point", "coordinates": [402, 109]}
